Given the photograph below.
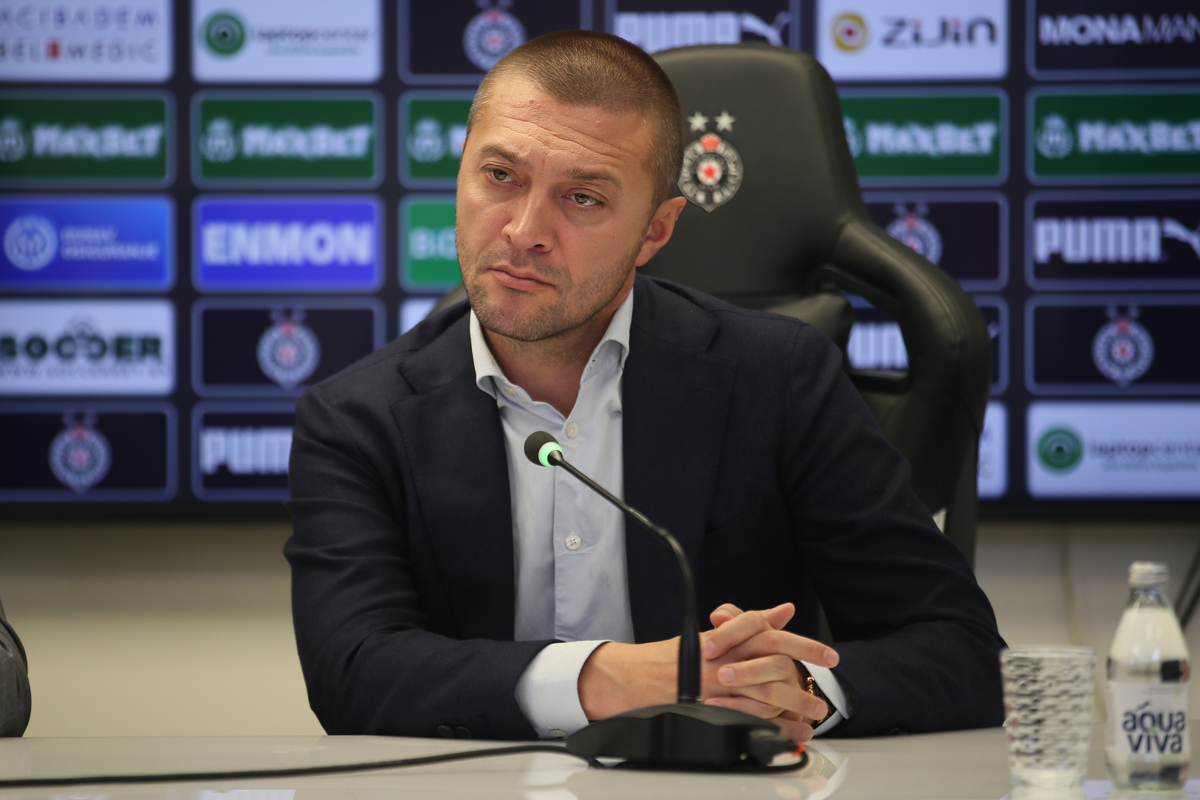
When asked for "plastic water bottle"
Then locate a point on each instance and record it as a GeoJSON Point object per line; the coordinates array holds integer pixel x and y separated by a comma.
{"type": "Point", "coordinates": [1147, 742]}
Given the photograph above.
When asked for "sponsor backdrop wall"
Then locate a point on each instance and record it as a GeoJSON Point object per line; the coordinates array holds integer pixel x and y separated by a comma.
{"type": "Point", "coordinates": [207, 206]}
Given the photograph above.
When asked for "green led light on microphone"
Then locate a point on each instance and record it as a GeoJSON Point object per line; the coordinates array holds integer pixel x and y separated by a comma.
{"type": "Point", "coordinates": [546, 450]}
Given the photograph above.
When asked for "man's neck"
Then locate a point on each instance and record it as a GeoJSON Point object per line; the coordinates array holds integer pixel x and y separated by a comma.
{"type": "Point", "coordinates": [550, 370]}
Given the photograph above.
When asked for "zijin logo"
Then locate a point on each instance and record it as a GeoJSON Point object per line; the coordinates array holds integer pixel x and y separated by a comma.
{"type": "Point", "coordinates": [654, 31]}
{"type": "Point", "coordinates": [881, 40]}
{"type": "Point", "coordinates": [850, 32]}
{"type": "Point", "coordinates": [1060, 450]}
{"type": "Point", "coordinates": [224, 34]}
{"type": "Point", "coordinates": [30, 242]}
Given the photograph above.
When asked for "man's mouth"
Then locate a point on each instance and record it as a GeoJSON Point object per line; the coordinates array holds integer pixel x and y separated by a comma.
{"type": "Point", "coordinates": [517, 278]}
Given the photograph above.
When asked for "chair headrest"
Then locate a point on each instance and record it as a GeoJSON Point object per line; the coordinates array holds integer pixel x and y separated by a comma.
{"type": "Point", "coordinates": [768, 172]}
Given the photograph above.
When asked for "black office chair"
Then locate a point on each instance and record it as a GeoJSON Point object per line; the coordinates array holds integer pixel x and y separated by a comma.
{"type": "Point", "coordinates": [796, 228]}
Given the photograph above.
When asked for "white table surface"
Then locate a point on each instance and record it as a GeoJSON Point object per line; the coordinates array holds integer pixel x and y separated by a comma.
{"type": "Point", "coordinates": [962, 765]}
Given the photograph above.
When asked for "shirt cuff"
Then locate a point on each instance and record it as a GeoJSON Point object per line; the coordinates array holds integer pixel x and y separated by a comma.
{"type": "Point", "coordinates": [548, 689]}
{"type": "Point", "coordinates": [834, 693]}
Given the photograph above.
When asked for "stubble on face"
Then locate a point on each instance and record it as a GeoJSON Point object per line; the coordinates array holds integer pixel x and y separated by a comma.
{"type": "Point", "coordinates": [576, 303]}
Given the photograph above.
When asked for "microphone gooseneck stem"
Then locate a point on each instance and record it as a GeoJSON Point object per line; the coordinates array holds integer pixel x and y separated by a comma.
{"type": "Point", "coordinates": [689, 638]}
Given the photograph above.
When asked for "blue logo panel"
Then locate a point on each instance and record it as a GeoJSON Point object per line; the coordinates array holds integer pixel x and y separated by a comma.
{"type": "Point", "coordinates": [94, 243]}
{"type": "Point", "coordinates": [270, 244]}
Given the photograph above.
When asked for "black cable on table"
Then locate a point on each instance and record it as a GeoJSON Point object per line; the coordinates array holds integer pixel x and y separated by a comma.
{"type": "Point", "coordinates": [296, 772]}
{"type": "Point", "coordinates": [1185, 605]}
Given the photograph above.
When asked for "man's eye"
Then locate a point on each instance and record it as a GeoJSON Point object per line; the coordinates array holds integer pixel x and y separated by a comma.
{"type": "Point", "coordinates": [582, 199]}
{"type": "Point", "coordinates": [498, 174]}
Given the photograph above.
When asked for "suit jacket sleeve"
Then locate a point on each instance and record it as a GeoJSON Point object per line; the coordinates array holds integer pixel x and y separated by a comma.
{"type": "Point", "coordinates": [14, 682]}
{"type": "Point", "coordinates": [916, 635]}
{"type": "Point", "coordinates": [378, 656]}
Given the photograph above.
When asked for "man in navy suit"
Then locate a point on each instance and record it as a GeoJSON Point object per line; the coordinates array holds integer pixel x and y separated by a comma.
{"type": "Point", "coordinates": [443, 585]}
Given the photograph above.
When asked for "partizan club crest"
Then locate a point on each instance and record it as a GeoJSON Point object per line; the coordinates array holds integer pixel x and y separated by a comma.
{"type": "Point", "coordinates": [289, 351]}
{"type": "Point", "coordinates": [80, 456]}
{"type": "Point", "coordinates": [1123, 349]}
{"type": "Point", "coordinates": [492, 33]}
{"type": "Point", "coordinates": [712, 168]}
{"type": "Point", "coordinates": [911, 228]}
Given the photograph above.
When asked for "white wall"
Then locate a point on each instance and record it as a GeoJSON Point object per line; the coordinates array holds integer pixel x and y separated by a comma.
{"type": "Point", "coordinates": [148, 629]}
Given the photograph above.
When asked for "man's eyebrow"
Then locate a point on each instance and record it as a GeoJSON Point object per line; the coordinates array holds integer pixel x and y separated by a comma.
{"type": "Point", "coordinates": [582, 175]}
{"type": "Point", "coordinates": [594, 176]}
{"type": "Point", "coordinates": [501, 152]}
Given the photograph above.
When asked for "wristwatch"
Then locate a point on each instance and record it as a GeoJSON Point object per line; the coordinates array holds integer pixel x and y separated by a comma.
{"type": "Point", "coordinates": [810, 683]}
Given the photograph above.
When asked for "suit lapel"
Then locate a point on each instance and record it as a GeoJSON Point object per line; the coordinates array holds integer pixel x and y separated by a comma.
{"type": "Point", "coordinates": [676, 403]}
{"type": "Point", "coordinates": [455, 445]}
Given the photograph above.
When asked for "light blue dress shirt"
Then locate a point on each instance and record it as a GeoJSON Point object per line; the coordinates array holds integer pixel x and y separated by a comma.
{"type": "Point", "coordinates": [568, 542]}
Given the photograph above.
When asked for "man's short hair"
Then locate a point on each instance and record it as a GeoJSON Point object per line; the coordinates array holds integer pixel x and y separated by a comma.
{"type": "Point", "coordinates": [588, 68]}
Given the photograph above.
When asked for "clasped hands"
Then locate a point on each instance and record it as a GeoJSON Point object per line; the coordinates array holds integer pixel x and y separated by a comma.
{"type": "Point", "coordinates": [749, 664]}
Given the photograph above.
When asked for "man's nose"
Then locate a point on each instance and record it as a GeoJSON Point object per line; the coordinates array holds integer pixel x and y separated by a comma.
{"type": "Point", "coordinates": [531, 225]}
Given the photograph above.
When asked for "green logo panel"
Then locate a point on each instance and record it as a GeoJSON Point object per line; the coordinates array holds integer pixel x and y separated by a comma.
{"type": "Point", "coordinates": [433, 126]}
{"type": "Point", "coordinates": [287, 140]}
{"type": "Point", "coordinates": [1149, 135]}
{"type": "Point", "coordinates": [927, 138]}
{"type": "Point", "coordinates": [65, 139]}
{"type": "Point", "coordinates": [428, 261]}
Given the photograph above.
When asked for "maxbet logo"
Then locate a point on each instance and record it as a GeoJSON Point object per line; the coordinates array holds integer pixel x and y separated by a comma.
{"type": "Point", "coordinates": [936, 136]}
{"type": "Point", "coordinates": [1114, 134]}
{"type": "Point", "coordinates": [73, 139]}
{"type": "Point", "coordinates": [292, 139]}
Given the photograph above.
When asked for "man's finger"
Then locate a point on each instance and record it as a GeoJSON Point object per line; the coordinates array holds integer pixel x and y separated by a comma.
{"type": "Point", "coordinates": [747, 706]}
{"type": "Point", "coordinates": [733, 633]}
{"type": "Point", "coordinates": [773, 642]}
{"type": "Point", "coordinates": [723, 613]}
{"type": "Point", "coordinates": [780, 615]}
{"type": "Point", "coordinates": [789, 697]}
{"type": "Point", "coordinates": [758, 670]}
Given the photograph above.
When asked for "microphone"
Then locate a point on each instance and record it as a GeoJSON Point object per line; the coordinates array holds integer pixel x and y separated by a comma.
{"type": "Point", "coordinates": [687, 733]}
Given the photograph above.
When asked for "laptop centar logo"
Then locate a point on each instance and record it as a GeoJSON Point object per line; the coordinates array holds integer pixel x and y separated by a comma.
{"type": "Point", "coordinates": [712, 168]}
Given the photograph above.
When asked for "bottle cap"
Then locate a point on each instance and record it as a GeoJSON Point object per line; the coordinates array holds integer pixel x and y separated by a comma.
{"type": "Point", "coordinates": [1147, 573]}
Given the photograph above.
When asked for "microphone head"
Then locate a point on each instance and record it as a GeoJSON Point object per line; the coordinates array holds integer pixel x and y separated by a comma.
{"type": "Point", "coordinates": [539, 446]}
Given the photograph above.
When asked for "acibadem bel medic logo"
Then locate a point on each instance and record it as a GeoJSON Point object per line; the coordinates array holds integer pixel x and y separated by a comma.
{"type": "Point", "coordinates": [1115, 134]}
{"type": "Point", "coordinates": [293, 139]}
{"type": "Point", "coordinates": [928, 137]}
{"type": "Point", "coordinates": [428, 258]}
{"type": "Point", "coordinates": [433, 127]}
{"type": "Point", "coordinates": [67, 139]}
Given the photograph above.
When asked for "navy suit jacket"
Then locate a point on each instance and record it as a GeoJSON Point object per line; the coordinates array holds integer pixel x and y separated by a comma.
{"type": "Point", "coordinates": [742, 437]}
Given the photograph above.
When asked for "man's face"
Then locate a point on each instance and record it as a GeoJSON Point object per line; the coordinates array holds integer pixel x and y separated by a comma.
{"type": "Point", "coordinates": [553, 211]}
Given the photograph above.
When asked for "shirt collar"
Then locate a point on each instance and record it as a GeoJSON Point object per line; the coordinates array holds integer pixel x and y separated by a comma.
{"type": "Point", "coordinates": [488, 373]}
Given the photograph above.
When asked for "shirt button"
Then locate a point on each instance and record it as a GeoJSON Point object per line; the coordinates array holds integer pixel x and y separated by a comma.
{"type": "Point", "coordinates": [510, 391]}
{"type": "Point", "coordinates": [558, 733]}
{"type": "Point", "coordinates": [572, 430]}
{"type": "Point", "coordinates": [573, 542]}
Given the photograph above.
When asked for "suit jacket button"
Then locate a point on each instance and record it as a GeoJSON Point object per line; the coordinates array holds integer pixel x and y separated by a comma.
{"type": "Point", "coordinates": [462, 733]}
{"type": "Point", "coordinates": [445, 732]}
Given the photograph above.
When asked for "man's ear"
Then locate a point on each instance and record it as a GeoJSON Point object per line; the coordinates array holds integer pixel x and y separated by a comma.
{"type": "Point", "coordinates": [662, 225]}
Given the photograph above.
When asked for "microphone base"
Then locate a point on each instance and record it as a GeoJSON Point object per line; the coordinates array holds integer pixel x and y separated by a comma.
{"type": "Point", "coordinates": [684, 736]}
